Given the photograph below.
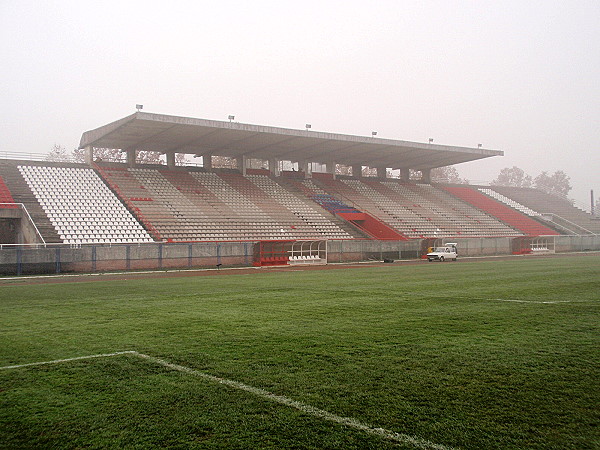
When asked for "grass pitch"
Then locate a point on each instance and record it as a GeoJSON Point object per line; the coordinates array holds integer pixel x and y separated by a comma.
{"type": "Point", "coordinates": [493, 354]}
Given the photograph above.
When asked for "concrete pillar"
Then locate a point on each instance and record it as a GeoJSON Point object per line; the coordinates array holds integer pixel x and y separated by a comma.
{"type": "Point", "coordinates": [330, 168]}
{"type": "Point", "coordinates": [171, 160]}
{"type": "Point", "coordinates": [89, 155]}
{"type": "Point", "coordinates": [426, 175]}
{"type": "Point", "coordinates": [131, 158]}
{"type": "Point", "coordinates": [241, 164]}
{"type": "Point", "coordinates": [305, 167]}
{"type": "Point", "coordinates": [405, 174]}
{"type": "Point", "coordinates": [274, 167]}
{"type": "Point", "coordinates": [357, 171]}
{"type": "Point", "coordinates": [207, 162]}
{"type": "Point", "coordinates": [381, 172]}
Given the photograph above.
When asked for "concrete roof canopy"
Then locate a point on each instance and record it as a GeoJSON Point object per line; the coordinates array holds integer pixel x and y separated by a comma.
{"type": "Point", "coordinates": [173, 134]}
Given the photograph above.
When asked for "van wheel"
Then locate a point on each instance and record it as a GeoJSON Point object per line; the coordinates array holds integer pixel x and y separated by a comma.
{"type": "Point", "coordinates": [429, 259]}
{"type": "Point", "coordinates": [441, 258]}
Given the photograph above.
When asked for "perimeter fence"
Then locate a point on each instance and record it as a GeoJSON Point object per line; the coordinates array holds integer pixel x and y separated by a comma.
{"type": "Point", "coordinates": [60, 258]}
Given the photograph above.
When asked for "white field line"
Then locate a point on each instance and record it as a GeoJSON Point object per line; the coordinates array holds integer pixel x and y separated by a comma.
{"type": "Point", "coordinates": [400, 438]}
{"type": "Point", "coordinates": [349, 422]}
{"type": "Point", "coordinates": [528, 301]}
{"type": "Point", "coordinates": [488, 299]}
{"type": "Point", "coordinates": [56, 361]}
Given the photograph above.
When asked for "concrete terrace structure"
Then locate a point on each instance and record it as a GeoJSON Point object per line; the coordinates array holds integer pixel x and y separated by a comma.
{"type": "Point", "coordinates": [170, 135]}
{"type": "Point", "coordinates": [165, 203]}
{"type": "Point", "coordinates": [66, 216]}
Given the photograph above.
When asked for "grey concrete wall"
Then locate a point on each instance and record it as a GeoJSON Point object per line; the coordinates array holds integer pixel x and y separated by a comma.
{"type": "Point", "coordinates": [365, 250]}
{"type": "Point", "coordinates": [577, 243]}
{"type": "Point", "coordinates": [27, 233]}
{"type": "Point", "coordinates": [20, 260]}
{"type": "Point", "coordinates": [483, 246]}
{"type": "Point", "coordinates": [98, 258]}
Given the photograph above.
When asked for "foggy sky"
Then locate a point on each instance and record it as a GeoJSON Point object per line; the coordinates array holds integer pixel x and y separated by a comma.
{"type": "Point", "coordinates": [517, 76]}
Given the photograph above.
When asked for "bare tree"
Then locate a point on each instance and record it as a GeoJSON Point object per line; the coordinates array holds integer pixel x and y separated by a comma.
{"type": "Point", "coordinates": [224, 162]}
{"type": "Point", "coordinates": [341, 169]}
{"type": "Point", "coordinates": [369, 171]}
{"type": "Point", "coordinates": [146, 157]}
{"type": "Point", "coordinates": [181, 159]}
{"type": "Point", "coordinates": [100, 154]}
{"type": "Point", "coordinates": [58, 153]}
{"type": "Point", "coordinates": [513, 176]}
{"type": "Point", "coordinates": [447, 174]}
{"type": "Point", "coordinates": [415, 175]}
{"type": "Point", "coordinates": [558, 182]}
{"type": "Point", "coordinates": [116, 155]}
{"type": "Point", "coordinates": [366, 171]}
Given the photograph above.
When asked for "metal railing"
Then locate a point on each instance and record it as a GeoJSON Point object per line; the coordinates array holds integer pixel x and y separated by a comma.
{"type": "Point", "coordinates": [23, 155]}
{"type": "Point", "coordinates": [565, 224]}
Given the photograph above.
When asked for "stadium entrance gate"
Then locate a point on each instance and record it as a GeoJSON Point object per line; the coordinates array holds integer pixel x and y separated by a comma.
{"type": "Point", "coordinates": [281, 253]}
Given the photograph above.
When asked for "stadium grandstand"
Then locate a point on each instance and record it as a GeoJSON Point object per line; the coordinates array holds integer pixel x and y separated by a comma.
{"type": "Point", "coordinates": [106, 203]}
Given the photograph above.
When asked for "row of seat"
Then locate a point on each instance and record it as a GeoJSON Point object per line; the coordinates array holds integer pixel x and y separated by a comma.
{"type": "Point", "coordinates": [80, 206]}
{"type": "Point", "coordinates": [206, 205]}
{"type": "Point", "coordinates": [516, 219]}
{"type": "Point", "coordinates": [304, 257]}
{"type": "Point", "coordinates": [507, 201]}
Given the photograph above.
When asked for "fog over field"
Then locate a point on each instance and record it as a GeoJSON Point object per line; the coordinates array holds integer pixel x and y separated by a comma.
{"type": "Point", "coordinates": [521, 77]}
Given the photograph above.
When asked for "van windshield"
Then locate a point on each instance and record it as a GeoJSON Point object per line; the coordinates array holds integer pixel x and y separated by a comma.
{"type": "Point", "coordinates": [440, 249]}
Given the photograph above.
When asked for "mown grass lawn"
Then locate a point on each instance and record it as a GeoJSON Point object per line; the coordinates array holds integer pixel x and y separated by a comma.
{"type": "Point", "coordinates": [494, 354]}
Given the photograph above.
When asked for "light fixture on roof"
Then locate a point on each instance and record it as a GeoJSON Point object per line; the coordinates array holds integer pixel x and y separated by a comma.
{"type": "Point", "coordinates": [231, 118]}
{"type": "Point", "coordinates": [431, 140]}
{"type": "Point", "coordinates": [373, 133]}
{"type": "Point", "coordinates": [308, 126]}
{"type": "Point", "coordinates": [478, 145]}
{"type": "Point", "coordinates": [139, 107]}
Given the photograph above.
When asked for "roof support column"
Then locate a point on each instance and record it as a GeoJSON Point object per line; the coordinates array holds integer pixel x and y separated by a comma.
{"type": "Point", "coordinates": [426, 175]}
{"type": "Point", "coordinates": [357, 171]}
{"type": "Point", "coordinates": [405, 174]}
{"type": "Point", "coordinates": [381, 172]}
{"type": "Point", "coordinates": [88, 153]}
{"type": "Point", "coordinates": [330, 168]}
{"type": "Point", "coordinates": [306, 167]}
{"type": "Point", "coordinates": [274, 167]}
{"type": "Point", "coordinates": [131, 158]}
{"type": "Point", "coordinates": [171, 160]}
{"type": "Point", "coordinates": [207, 162]}
{"type": "Point", "coordinates": [241, 164]}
